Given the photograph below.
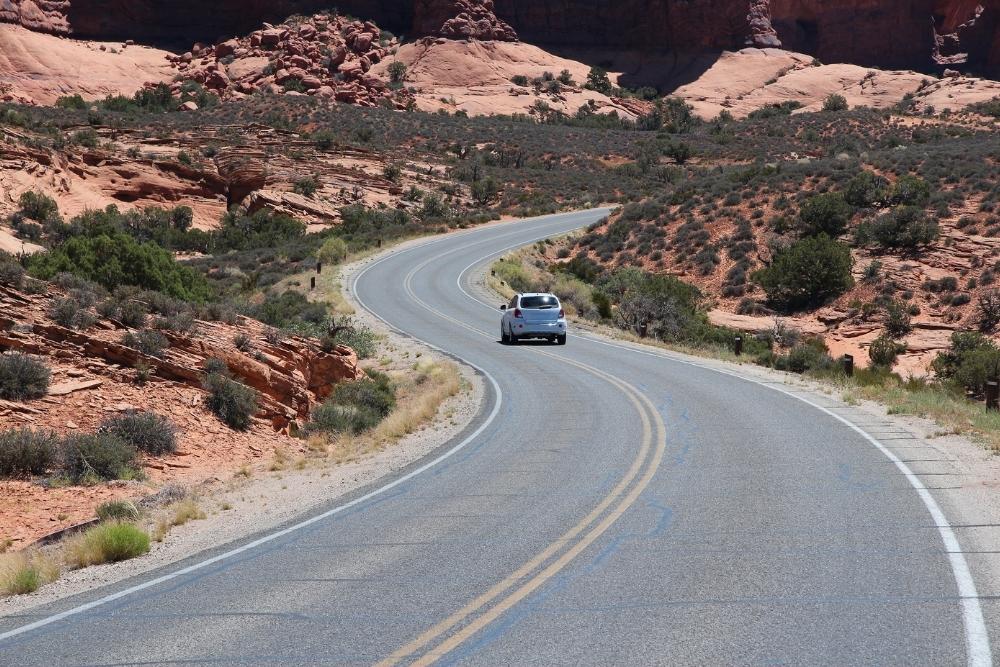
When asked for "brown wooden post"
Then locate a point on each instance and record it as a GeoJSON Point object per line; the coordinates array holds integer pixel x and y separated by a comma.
{"type": "Point", "coordinates": [848, 365]}
{"type": "Point", "coordinates": [992, 395]}
{"type": "Point", "coordinates": [319, 267]}
{"type": "Point", "coordinates": [738, 345]}
{"type": "Point", "coordinates": [312, 283]}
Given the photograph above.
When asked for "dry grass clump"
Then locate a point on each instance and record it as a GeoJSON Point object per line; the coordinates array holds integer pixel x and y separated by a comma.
{"type": "Point", "coordinates": [178, 514]}
{"type": "Point", "coordinates": [25, 572]}
{"type": "Point", "coordinates": [106, 543]}
{"type": "Point", "coordinates": [421, 395]}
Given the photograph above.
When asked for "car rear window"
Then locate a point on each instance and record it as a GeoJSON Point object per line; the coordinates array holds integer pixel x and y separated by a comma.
{"type": "Point", "coordinates": [539, 302]}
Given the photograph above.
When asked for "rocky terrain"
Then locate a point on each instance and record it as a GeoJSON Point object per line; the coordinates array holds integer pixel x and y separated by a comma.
{"type": "Point", "coordinates": [94, 376]}
{"type": "Point", "coordinates": [916, 35]}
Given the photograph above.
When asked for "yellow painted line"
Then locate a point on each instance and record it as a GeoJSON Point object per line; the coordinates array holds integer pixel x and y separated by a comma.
{"type": "Point", "coordinates": [526, 589]}
{"type": "Point", "coordinates": [642, 405]}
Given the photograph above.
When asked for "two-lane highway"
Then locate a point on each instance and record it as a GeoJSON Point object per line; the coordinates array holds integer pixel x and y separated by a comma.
{"type": "Point", "coordinates": [609, 506]}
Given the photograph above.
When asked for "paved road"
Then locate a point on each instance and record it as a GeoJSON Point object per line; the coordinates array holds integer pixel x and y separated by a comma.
{"type": "Point", "coordinates": [609, 506]}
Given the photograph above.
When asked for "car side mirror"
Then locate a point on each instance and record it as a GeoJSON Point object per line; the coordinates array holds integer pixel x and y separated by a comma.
{"type": "Point", "coordinates": [503, 306]}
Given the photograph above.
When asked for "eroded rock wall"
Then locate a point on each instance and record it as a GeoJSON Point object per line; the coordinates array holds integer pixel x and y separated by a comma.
{"type": "Point", "coordinates": [918, 34]}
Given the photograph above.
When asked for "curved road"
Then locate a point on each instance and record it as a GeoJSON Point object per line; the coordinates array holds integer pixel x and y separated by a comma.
{"type": "Point", "coordinates": [610, 505]}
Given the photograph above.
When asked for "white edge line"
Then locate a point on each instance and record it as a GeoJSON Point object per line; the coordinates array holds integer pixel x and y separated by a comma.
{"type": "Point", "coordinates": [296, 527]}
{"type": "Point", "coordinates": [977, 638]}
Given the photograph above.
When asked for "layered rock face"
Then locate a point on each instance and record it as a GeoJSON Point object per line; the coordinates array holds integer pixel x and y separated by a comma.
{"type": "Point", "coordinates": [886, 33]}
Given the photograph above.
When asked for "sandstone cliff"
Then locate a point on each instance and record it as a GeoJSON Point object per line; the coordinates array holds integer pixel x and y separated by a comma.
{"type": "Point", "coordinates": [917, 34]}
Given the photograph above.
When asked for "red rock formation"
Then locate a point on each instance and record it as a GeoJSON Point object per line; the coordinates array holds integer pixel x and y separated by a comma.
{"type": "Point", "coordinates": [461, 19]}
{"type": "Point", "coordinates": [292, 376]}
{"type": "Point", "coordinates": [323, 56]}
{"type": "Point", "coordinates": [885, 33]}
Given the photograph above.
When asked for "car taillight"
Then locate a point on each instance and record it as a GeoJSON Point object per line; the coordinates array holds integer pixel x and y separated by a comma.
{"type": "Point", "coordinates": [517, 313]}
{"type": "Point", "coordinates": [562, 313]}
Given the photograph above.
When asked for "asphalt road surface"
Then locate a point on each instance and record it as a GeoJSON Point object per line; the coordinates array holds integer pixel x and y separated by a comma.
{"type": "Point", "coordinates": [609, 506]}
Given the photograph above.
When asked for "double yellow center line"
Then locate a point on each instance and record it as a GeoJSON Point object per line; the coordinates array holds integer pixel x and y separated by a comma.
{"type": "Point", "coordinates": [457, 628]}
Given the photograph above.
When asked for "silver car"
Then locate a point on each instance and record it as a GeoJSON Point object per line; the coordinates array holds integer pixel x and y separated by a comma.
{"type": "Point", "coordinates": [533, 315]}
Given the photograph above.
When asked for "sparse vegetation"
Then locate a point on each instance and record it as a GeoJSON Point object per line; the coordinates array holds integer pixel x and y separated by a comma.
{"type": "Point", "coordinates": [91, 458]}
{"type": "Point", "coordinates": [232, 402]}
{"type": "Point", "coordinates": [110, 542]}
{"type": "Point", "coordinates": [22, 377]}
{"type": "Point", "coordinates": [355, 407]}
{"type": "Point", "coordinates": [146, 431]}
{"type": "Point", "coordinates": [26, 452]}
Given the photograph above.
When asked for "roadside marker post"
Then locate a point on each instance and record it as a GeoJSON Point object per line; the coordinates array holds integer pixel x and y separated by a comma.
{"type": "Point", "coordinates": [992, 395]}
{"type": "Point", "coordinates": [848, 365]}
{"type": "Point", "coordinates": [738, 345]}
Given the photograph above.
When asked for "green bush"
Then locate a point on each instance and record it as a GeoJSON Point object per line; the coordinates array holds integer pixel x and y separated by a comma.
{"type": "Point", "coordinates": [397, 71]}
{"type": "Point", "coordinates": [866, 190]}
{"type": "Point", "coordinates": [884, 350]}
{"type": "Point", "coordinates": [38, 207]}
{"type": "Point", "coordinates": [897, 319]}
{"type": "Point", "coordinates": [108, 543]}
{"type": "Point", "coordinates": [971, 361]}
{"type": "Point", "coordinates": [147, 431]}
{"type": "Point", "coordinates": [333, 251]}
{"type": "Point", "coordinates": [597, 79]}
{"type": "Point", "coordinates": [306, 186]}
{"type": "Point", "coordinates": [808, 355]}
{"type": "Point", "coordinates": [99, 456]}
{"type": "Point", "coordinates": [117, 510]}
{"type": "Point", "coordinates": [826, 214]}
{"type": "Point", "coordinates": [26, 452]}
{"type": "Point", "coordinates": [835, 103]}
{"type": "Point", "coordinates": [11, 272]}
{"type": "Point", "coordinates": [232, 402]}
{"type": "Point", "coordinates": [902, 227]}
{"type": "Point", "coordinates": [355, 407]}
{"type": "Point", "coordinates": [149, 342]}
{"type": "Point", "coordinates": [807, 274]}
{"type": "Point", "coordinates": [910, 191]}
{"type": "Point", "coordinates": [69, 312]}
{"type": "Point", "coordinates": [360, 338]}
{"type": "Point", "coordinates": [22, 377]}
{"type": "Point", "coordinates": [114, 258]}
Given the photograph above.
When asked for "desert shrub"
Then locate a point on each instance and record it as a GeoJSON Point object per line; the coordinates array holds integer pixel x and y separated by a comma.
{"type": "Point", "coordinates": [971, 361]}
{"type": "Point", "coordinates": [392, 171]}
{"type": "Point", "coordinates": [512, 273]}
{"type": "Point", "coordinates": [902, 227]}
{"type": "Point", "coordinates": [147, 431]}
{"type": "Point", "coordinates": [25, 452]}
{"type": "Point", "coordinates": [231, 401]}
{"type": "Point", "coordinates": [345, 331]}
{"type": "Point", "coordinates": [38, 207]}
{"type": "Point", "coordinates": [808, 355]}
{"type": "Point", "coordinates": [107, 543]}
{"type": "Point", "coordinates": [826, 214]}
{"type": "Point", "coordinates": [149, 342]}
{"type": "Point", "coordinates": [484, 190]}
{"type": "Point", "coordinates": [22, 377]}
{"type": "Point", "coordinates": [114, 258]}
{"type": "Point", "coordinates": [25, 572]}
{"type": "Point", "coordinates": [835, 103]}
{"type": "Point", "coordinates": [355, 407]}
{"type": "Point", "coordinates": [988, 310]}
{"type": "Point", "coordinates": [324, 139]}
{"type": "Point", "coordinates": [866, 189]}
{"type": "Point", "coordinates": [909, 190]}
{"type": "Point", "coordinates": [521, 80]}
{"type": "Point", "coordinates": [306, 186]}
{"type": "Point", "coordinates": [807, 273]}
{"type": "Point", "coordinates": [291, 310]}
{"type": "Point", "coordinates": [68, 312]}
{"type": "Point", "coordinates": [897, 319]}
{"type": "Point", "coordinates": [397, 71]}
{"type": "Point", "coordinates": [597, 79]}
{"type": "Point", "coordinates": [117, 510]}
{"type": "Point", "coordinates": [883, 351]}
{"type": "Point", "coordinates": [11, 272]}
{"type": "Point", "coordinates": [333, 251]}
{"type": "Point", "coordinates": [99, 456]}
{"type": "Point", "coordinates": [262, 229]}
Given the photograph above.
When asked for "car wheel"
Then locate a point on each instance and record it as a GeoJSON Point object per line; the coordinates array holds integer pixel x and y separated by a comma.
{"type": "Point", "coordinates": [513, 339]}
{"type": "Point", "coordinates": [561, 340]}
{"type": "Point", "coordinates": [504, 339]}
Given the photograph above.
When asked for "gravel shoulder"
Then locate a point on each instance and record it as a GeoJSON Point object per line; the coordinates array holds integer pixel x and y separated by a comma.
{"type": "Point", "coordinates": [241, 506]}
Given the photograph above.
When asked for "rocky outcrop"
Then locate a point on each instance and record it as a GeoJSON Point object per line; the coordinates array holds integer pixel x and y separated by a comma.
{"type": "Point", "coordinates": [461, 19]}
{"type": "Point", "coordinates": [324, 56]}
{"type": "Point", "coordinates": [292, 375]}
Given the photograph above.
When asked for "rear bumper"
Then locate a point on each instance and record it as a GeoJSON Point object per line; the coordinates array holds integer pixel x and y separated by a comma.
{"type": "Point", "coordinates": [539, 328]}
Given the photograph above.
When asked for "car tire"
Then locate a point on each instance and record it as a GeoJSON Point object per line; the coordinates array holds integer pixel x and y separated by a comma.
{"type": "Point", "coordinates": [504, 338]}
{"type": "Point", "coordinates": [561, 340]}
{"type": "Point", "coordinates": [513, 339]}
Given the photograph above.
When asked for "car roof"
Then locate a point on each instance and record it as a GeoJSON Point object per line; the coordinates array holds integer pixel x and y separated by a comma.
{"type": "Point", "coordinates": [537, 294]}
